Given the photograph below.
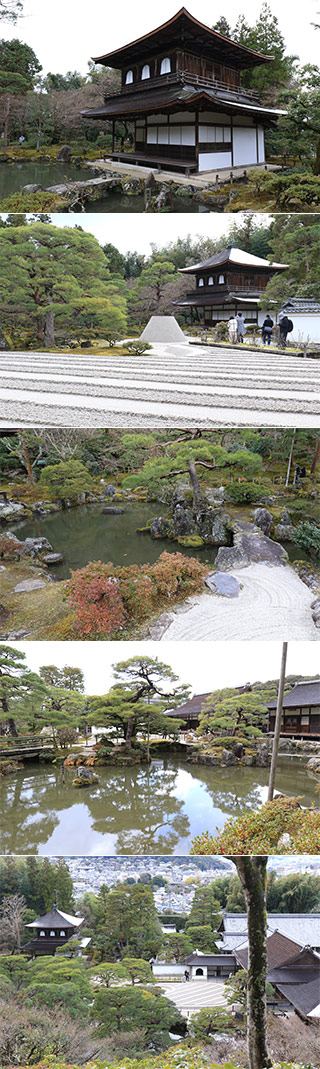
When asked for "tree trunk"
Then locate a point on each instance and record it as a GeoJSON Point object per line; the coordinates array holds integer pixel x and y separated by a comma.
{"type": "Point", "coordinates": [27, 458]}
{"type": "Point", "coordinates": [195, 484]}
{"type": "Point", "coordinates": [49, 329]}
{"type": "Point", "coordinates": [6, 122]}
{"type": "Point", "coordinates": [252, 872]}
{"type": "Point", "coordinates": [290, 458]}
{"type": "Point", "coordinates": [129, 735]}
{"type": "Point", "coordinates": [316, 458]}
{"type": "Point", "coordinates": [39, 121]}
{"type": "Point", "coordinates": [277, 726]}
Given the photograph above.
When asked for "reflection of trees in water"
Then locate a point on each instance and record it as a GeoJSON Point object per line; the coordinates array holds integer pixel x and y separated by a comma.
{"type": "Point", "coordinates": [137, 805]}
{"type": "Point", "coordinates": [142, 812]}
{"type": "Point", "coordinates": [29, 808]}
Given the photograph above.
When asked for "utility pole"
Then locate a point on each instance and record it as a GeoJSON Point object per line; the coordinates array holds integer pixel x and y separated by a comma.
{"type": "Point", "coordinates": [277, 727]}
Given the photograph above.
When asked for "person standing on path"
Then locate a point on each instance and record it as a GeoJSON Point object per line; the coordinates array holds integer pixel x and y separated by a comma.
{"type": "Point", "coordinates": [267, 329]}
{"type": "Point", "coordinates": [233, 330]}
{"type": "Point", "coordinates": [283, 329]}
{"type": "Point", "coordinates": [241, 326]}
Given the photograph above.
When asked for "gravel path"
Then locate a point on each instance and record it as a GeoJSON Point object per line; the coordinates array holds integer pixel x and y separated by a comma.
{"type": "Point", "coordinates": [273, 604]}
{"type": "Point", "coordinates": [173, 385]}
{"type": "Point", "coordinates": [195, 994]}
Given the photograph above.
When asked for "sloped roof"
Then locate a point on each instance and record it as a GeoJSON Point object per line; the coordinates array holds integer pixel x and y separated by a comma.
{"type": "Point", "coordinates": [279, 950]}
{"type": "Point", "coordinates": [156, 98]}
{"type": "Point", "coordinates": [195, 35]}
{"type": "Point", "coordinates": [302, 305]}
{"type": "Point", "coordinates": [197, 958]}
{"type": "Point", "coordinates": [191, 708]}
{"type": "Point", "coordinates": [302, 928]}
{"type": "Point", "coordinates": [307, 693]}
{"type": "Point", "coordinates": [304, 997]}
{"type": "Point", "coordinates": [55, 919]}
{"type": "Point", "coordinates": [237, 256]}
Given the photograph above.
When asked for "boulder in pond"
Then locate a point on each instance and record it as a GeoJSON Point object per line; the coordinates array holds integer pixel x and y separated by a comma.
{"type": "Point", "coordinates": [182, 521]}
{"type": "Point", "coordinates": [65, 152]}
{"type": "Point", "coordinates": [227, 757]}
{"type": "Point", "coordinates": [33, 547]}
{"type": "Point", "coordinates": [85, 777]}
{"type": "Point", "coordinates": [112, 511]}
{"type": "Point", "coordinates": [263, 519]}
{"type": "Point", "coordinates": [159, 527]}
{"type": "Point", "coordinates": [223, 584]}
{"type": "Point", "coordinates": [110, 490]}
{"type": "Point", "coordinates": [250, 546]}
{"type": "Point", "coordinates": [32, 188]}
{"type": "Point", "coordinates": [11, 510]}
{"type": "Point", "coordinates": [285, 532]}
{"type": "Point", "coordinates": [52, 559]}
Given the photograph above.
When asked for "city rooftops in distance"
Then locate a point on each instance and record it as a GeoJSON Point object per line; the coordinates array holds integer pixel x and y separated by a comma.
{"type": "Point", "coordinates": [183, 28]}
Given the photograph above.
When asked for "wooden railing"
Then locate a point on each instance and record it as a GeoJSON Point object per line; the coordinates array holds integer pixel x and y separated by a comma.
{"type": "Point", "coordinates": [184, 77]}
{"type": "Point", "coordinates": [10, 744]}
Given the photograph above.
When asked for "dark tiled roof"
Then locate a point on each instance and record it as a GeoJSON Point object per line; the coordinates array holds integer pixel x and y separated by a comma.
{"type": "Point", "coordinates": [304, 997]}
{"type": "Point", "coordinates": [56, 919]}
{"type": "Point", "coordinates": [154, 99]}
{"type": "Point", "coordinates": [196, 36]}
{"type": "Point", "coordinates": [191, 708]}
{"type": "Point", "coordinates": [307, 693]}
{"type": "Point", "coordinates": [279, 950]}
{"type": "Point", "coordinates": [297, 304]}
{"type": "Point", "coordinates": [210, 959]}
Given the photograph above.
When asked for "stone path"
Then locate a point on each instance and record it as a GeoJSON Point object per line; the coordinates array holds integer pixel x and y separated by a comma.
{"type": "Point", "coordinates": [273, 604]}
{"type": "Point", "coordinates": [171, 385]}
{"type": "Point", "coordinates": [194, 994]}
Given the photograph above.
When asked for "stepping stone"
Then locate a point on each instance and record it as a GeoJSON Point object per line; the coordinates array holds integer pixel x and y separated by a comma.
{"type": "Point", "coordinates": [221, 583]}
{"type": "Point", "coordinates": [28, 585]}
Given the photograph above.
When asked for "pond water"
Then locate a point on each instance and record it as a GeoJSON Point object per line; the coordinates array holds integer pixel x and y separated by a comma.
{"type": "Point", "coordinates": [15, 175]}
{"type": "Point", "coordinates": [155, 809]}
{"type": "Point", "coordinates": [84, 534]}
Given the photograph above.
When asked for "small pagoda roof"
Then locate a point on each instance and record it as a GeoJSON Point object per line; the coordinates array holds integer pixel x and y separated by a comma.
{"type": "Point", "coordinates": [56, 919]}
{"type": "Point", "coordinates": [183, 30]}
{"type": "Point", "coordinates": [307, 693]}
{"type": "Point", "coordinates": [233, 255]}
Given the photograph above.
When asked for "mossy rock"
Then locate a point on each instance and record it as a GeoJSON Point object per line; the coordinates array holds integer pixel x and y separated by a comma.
{"type": "Point", "coordinates": [190, 541]}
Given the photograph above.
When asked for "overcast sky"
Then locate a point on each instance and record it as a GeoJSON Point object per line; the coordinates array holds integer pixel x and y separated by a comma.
{"type": "Point", "coordinates": [66, 33]}
{"type": "Point", "coordinates": [140, 231]}
{"type": "Point", "coordinates": [204, 665]}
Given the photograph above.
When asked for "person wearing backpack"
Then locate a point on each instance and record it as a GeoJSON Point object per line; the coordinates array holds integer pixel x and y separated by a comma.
{"type": "Point", "coordinates": [285, 327]}
{"type": "Point", "coordinates": [267, 329]}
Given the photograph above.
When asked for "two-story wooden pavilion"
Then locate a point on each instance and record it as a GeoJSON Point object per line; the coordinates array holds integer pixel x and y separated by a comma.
{"type": "Point", "coordinates": [181, 89]}
{"type": "Point", "coordinates": [227, 283]}
{"type": "Point", "coordinates": [301, 710]}
{"type": "Point", "coordinates": [51, 932]}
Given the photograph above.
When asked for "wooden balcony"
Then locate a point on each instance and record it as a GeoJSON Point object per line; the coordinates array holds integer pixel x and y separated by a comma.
{"type": "Point", "coordinates": [183, 77]}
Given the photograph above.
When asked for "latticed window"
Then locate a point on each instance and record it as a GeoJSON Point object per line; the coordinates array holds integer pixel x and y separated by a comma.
{"type": "Point", "coordinates": [145, 73]}
{"type": "Point", "coordinates": [165, 67]}
{"type": "Point", "coordinates": [129, 77]}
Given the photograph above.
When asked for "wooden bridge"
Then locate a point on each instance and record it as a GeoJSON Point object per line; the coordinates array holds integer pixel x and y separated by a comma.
{"type": "Point", "coordinates": [26, 746]}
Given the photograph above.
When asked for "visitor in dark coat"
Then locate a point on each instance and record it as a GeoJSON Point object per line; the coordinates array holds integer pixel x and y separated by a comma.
{"type": "Point", "coordinates": [267, 329]}
{"type": "Point", "coordinates": [283, 329]}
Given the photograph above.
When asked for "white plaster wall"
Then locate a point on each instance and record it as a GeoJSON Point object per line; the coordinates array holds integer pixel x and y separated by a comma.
{"type": "Point", "coordinates": [261, 144]}
{"type": "Point", "coordinates": [163, 969]}
{"type": "Point", "coordinates": [194, 971]}
{"type": "Point", "coordinates": [305, 327]}
{"type": "Point", "coordinates": [244, 146]}
{"type": "Point", "coordinates": [210, 161]}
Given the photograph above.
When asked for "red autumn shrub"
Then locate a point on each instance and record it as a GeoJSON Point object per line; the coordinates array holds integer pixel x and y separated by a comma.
{"type": "Point", "coordinates": [106, 598]}
{"type": "Point", "coordinates": [9, 548]}
{"type": "Point", "coordinates": [95, 595]}
{"type": "Point", "coordinates": [175, 575]}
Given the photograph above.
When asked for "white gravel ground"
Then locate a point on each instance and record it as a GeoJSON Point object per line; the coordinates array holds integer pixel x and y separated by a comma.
{"type": "Point", "coordinates": [273, 604]}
